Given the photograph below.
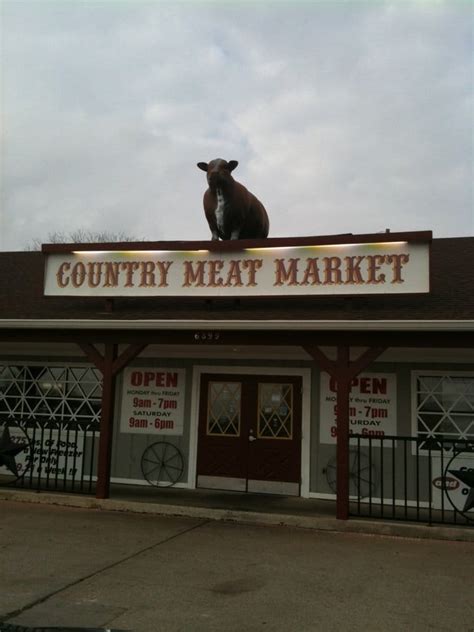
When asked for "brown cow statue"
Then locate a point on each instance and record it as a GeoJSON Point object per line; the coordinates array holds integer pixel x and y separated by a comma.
{"type": "Point", "coordinates": [232, 212]}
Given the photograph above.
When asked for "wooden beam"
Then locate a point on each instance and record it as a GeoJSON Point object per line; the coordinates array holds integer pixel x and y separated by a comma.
{"type": "Point", "coordinates": [321, 358]}
{"type": "Point", "coordinates": [336, 368]}
{"type": "Point", "coordinates": [368, 338]}
{"type": "Point", "coordinates": [93, 355]}
{"type": "Point", "coordinates": [127, 356]}
{"type": "Point", "coordinates": [364, 360]}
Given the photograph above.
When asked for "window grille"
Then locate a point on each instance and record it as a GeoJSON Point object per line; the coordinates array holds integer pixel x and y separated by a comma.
{"type": "Point", "coordinates": [58, 396]}
{"type": "Point", "coordinates": [223, 417]}
{"type": "Point", "coordinates": [444, 408]}
{"type": "Point", "coordinates": [275, 411]}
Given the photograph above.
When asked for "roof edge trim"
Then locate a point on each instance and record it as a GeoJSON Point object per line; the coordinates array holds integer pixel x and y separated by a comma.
{"type": "Point", "coordinates": [242, 325]}
{"type": "Point", "coordinates": [233, 245]}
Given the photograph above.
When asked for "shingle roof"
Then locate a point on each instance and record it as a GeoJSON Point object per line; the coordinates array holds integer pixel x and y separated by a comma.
{"type": "Point", "coordinates": [451, 297]}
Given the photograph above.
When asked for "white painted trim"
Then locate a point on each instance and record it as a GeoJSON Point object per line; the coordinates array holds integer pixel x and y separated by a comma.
{"type": "Point", "coordinates": [241, 325]}
{"type": "Point", "coordinates": [415, 374]}
{"type": "Point", "coordinates": [305, 374]}
{"type": "Point", "coordinates": [322, 496]}
{"type": "Point", "coordinates": [142, 482]}
{"type": "Point", "coordinates": [423, 504]}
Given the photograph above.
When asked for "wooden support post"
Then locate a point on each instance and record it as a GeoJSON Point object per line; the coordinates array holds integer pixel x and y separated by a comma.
{"type": "Point", "coordinates": [109, 365]}
{"type": "Point", "coordinates": [342, 447]}
{"type": "Point", "coordinates": [106, 423]}
{"type": "Point", "coordinates": [343, 371]}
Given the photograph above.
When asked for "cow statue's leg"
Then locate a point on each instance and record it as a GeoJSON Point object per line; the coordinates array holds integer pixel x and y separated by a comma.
{"type": "Point", "coordinates": [235, 234]}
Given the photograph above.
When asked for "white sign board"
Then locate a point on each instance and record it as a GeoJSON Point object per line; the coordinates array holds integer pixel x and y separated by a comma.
{"type": "Point", "coordinates": [372, 406]}
{"type": "Point", "coordinates": [342, 269]}
{"type": "Point", "coordinates": [153, 401]}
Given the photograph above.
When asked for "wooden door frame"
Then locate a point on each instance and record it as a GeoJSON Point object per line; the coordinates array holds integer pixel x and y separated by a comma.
{"type": "Point", "coordinates": [304, 373]}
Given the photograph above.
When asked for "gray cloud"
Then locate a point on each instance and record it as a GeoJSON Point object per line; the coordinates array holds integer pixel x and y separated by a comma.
{"type": "Point", "coordinates": [344, 118]}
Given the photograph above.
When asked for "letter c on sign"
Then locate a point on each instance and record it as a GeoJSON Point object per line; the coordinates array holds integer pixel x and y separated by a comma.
{"type": "Point", "coordinates": [60, 274]}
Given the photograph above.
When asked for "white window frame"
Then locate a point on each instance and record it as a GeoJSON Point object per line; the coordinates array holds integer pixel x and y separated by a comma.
{"type": "Point", "coordinates": [414, 398]}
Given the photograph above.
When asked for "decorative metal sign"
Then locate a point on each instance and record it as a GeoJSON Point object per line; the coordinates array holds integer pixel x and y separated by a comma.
{"type": "Point", "coordinates": [15, 454]}
{"type": "Point", "coordinates": [456, 483]}
{"type": "Point", "coordinates": [342, 269]}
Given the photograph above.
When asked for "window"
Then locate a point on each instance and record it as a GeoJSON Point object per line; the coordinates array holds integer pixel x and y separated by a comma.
{"type": "Point", "coordinates": [275, 411]}
{"type": "Point", "coordinates": [223, 416]}
{"type": "Point", "coordinates": [58, 396]}
{"type": "Point", "coordinates": [444, 407]}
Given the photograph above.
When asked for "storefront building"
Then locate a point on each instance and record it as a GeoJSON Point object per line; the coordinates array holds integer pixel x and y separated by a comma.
{"type": "Point", "coordinates": [336, 368]}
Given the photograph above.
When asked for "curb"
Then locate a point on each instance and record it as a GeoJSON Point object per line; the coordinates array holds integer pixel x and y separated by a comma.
{"type": "Point", "coordinates": [316, 522]}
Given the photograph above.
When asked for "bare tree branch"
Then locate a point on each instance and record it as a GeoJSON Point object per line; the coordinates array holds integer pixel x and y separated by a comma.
{"type": "Point", "coordinates": [82, 236]}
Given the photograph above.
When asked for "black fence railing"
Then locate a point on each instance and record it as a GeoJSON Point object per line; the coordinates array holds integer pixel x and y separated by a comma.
{"type": "Point", "coordinates": [412, 478]}
{"type": "Point", "coordinates": [48, 455]}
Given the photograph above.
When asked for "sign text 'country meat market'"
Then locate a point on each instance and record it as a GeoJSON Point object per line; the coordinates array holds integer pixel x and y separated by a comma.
{"type": "Point", "coordinates": [365, 268]}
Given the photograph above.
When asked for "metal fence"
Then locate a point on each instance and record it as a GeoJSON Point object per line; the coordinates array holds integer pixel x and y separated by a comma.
{"type": "Point", "coordinates": [44, 455]}
{"type": "Point", "coordinates": [412, 479]}
{"type": "Point", "coordinates": [49, 425]}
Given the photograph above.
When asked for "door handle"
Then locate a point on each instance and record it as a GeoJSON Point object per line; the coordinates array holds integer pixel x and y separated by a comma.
{"type": "Point", "coordinates": [252, 438]}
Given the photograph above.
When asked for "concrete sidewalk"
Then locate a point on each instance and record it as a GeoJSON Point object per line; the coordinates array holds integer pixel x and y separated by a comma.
{"type": "Point", "coordinates": [147, 573]}
{"type": "Point", "coordinates": [255, 509]}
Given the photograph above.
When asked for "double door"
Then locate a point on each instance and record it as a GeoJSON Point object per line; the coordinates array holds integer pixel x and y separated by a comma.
{"type": "Point", "coordinates": [250, 433]}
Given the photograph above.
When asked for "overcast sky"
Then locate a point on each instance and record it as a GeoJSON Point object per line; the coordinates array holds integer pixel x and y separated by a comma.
{"type": "Point", "coordinates": [344, 116]}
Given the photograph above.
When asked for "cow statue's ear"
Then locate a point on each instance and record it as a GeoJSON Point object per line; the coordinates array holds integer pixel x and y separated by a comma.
{"type": "Point", "coordinates": [202, 165]}
{"type": "Point", "coordinates": [232, 164]}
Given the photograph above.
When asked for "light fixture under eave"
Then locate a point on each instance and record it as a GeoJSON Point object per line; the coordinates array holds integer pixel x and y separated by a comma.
{"type": "Point", "coordinates": [90, 252]}
{"type": "Point", "coordinates": [272, 248]}
{"type": "Point", "coordinates": [135, 252]}
{"type": "Point", "coordinates": [334, 246]}
{"type": "Point", "coordinates": [367, 244]}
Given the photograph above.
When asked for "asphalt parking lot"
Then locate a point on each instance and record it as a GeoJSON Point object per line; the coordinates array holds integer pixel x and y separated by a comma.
{"type": "Point", "coordinates": [90, 568]}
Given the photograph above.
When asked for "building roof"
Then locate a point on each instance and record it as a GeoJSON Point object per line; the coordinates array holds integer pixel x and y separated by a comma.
{"type": "Point", "coordinates": [451, 297]}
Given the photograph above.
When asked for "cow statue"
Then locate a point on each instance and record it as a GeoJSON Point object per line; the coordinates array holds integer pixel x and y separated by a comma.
{"type": "Point", "coordinates": [232, 212]}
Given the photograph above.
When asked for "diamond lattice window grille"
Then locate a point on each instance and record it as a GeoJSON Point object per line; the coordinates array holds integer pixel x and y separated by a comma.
{"type": "Point", "coordinates": [445, 408]}
{"type": "Point", "coordinates": [59, 396]}
{"type": "Point", "coordinates": [223, 417]}
{"type": "Point", "coordinates": [275, 411]}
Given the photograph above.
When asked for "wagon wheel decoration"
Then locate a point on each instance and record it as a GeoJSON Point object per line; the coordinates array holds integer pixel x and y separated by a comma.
{"type": "Point", "coordinates": [362, 474]}
{"type": "Point", "coordinates": [162, 464]}
{"type": "Point", "coordinates": [15, 452]}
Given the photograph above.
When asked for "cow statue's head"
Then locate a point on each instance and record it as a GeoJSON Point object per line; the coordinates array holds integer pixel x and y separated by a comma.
{"type": "Point", "coordinates": [218, 171]}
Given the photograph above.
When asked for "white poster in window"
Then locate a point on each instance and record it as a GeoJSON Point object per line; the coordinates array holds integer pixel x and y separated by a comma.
{"type": "Point", "coordinates": [372, 406]}
{"type": "Point", "coordinates": [153, 401]}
